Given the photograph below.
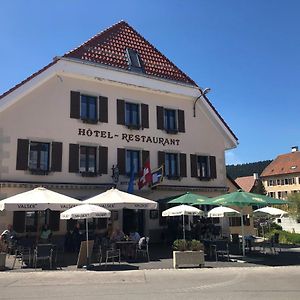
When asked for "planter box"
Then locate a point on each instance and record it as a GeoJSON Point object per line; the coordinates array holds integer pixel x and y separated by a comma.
{"type": "Point", "coordinates": [2, 261]}
{"type": "Point", "coordinates": [188, 259]}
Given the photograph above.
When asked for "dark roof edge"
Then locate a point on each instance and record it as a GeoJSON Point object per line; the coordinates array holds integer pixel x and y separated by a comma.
{"type": "Point", "coordinates": [233, 182]}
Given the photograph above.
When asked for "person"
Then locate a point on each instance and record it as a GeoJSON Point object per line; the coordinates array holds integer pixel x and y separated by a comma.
{"type": "Point", "coordinates": [117, 235]}
{"type": "Point", "coordinates": [9, 237]}
{"type": "Point", "coordinates": [46, 234]}
{"type": "Point", "coordinates": [76, 237]}
{"type": "Point", "coordinates": [134, 236]}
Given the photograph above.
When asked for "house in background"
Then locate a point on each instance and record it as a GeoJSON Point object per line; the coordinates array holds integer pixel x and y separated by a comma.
{"type": "Point", "coordinates": [113, 101]}
{"type": "Point", "coordinates": [281, 178]}
{"type": "Point", "coordinates": [251, 184]}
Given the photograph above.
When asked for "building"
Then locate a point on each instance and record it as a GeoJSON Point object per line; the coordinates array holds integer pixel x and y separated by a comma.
{"type": "Point", "coordinates": [282, 176]}
{"type": "Point", "coordinates": [113, 101]}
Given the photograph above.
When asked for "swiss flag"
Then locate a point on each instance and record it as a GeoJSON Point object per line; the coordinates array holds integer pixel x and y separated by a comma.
{"type": "Point", "coordinates": [145, 175]}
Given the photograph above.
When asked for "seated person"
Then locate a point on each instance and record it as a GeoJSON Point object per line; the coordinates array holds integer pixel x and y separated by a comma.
{"type": "Point", "coordinates": [117, 235]}
{"type": "Point", "coordinates": [8, 234]}
{"type": "Point", "coordinates": [134, 236]}
{"type": "Point", "coordinates": [46, 234]}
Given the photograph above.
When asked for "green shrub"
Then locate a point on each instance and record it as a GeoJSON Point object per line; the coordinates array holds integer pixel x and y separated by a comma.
{"type": "Point", "coordinates": [286, 237]}
{"type": "Point", "coordinates": [183, 245]}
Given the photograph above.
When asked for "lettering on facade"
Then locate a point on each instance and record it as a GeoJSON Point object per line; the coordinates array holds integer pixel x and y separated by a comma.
{"type": "Point", "coordinates": [26, 205]}
{"type": "Point", "coordinates": [129, 137]}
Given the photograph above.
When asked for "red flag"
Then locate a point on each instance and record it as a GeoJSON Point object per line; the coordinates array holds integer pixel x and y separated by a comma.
{"type": "Point", "coordinates": [145, 175]}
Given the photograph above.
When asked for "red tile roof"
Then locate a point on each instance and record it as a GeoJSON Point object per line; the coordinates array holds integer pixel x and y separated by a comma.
{"type": "Point", "coordinates": [246, 183]}
{"type": "Point", "coordinates": [109, 48]}
{"type": "Point", "coordinates": [283, 164]}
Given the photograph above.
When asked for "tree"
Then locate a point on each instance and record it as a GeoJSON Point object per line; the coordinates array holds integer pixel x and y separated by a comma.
{"type": "Point", "coordinates": [294, 206]}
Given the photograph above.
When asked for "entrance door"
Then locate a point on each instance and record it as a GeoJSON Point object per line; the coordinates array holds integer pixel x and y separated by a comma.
{"type": "Point", "coordinates": [133, 220]}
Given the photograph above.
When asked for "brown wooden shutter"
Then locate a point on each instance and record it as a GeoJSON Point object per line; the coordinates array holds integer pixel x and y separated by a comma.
{"type": "Point", "coordinates": [182, 158]}
{"type": "Point", "coordinates": [22, 154]}
{"type": "Point", "coordinates": [145, 115]}
{"type": "Point", "coordinates": [75, 105]}
{"type": "Point", "coordinates": [160, 117]}
{"type": "Point", "coordinates": [161, 158]}
{"type": "Point", "coordinates": [194, 170]}
{"type": "Point", "coordinates": [56, 157]}
{"type": "Point", "coordinates": [103, 158]}
{"type": "Point", "coordinates": [121, 161]}
{"type": "Point", "coordinates": [103, 109]}
{"type": "Point", "coordinates": [145, 156]}
{"type": "Point", "coordinates": [54, 220]}
{"type": "Point", "coordinates": [120, 112]}
{"type": "Point", "coordinates": [19, 221]}
{"type": "Point", "coordinates": [181, 122]}
{"type": "Point", "coordinates": [213, 167]}
{"type": "Point", "coordinates": [73, 158]}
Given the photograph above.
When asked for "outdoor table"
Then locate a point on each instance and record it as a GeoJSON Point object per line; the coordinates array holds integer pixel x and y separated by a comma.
{"type": "Point", "coordinates": [127, 248]}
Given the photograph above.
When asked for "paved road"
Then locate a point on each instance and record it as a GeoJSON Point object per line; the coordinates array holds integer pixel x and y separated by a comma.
{"type": "Point", "coordinates": [222, 283]}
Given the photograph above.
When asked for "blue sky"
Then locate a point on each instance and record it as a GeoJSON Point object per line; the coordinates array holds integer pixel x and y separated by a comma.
{"type": "Point", "coordinates": [247, 52]}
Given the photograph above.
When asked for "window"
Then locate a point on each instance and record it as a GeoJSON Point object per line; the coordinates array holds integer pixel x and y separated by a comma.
{"type": "Point", "coordinates": [87, 165]}
{"type": "Point", "coordinates": [236, 221]}
{"type": "Point", "coordinates": [171, 165]}
{"type": "Point", "coordinates": [132, 162]}
{"type": "Point", "coordinates": [88, 109]}
{"type": "Point", "coordinates": [132, 115]}
{"type": "Point", "coordinates": [170, 120]}
{"type": "Point", "coordinates": [134, 60]}
{"type": "Point", "coordinates": [39, 155]}
{"type": "Point", "coordinates": [203, 167]}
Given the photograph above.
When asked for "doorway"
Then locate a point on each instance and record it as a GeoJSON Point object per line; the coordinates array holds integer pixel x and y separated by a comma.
{"type": "Point", "coordinates": [133, 220]}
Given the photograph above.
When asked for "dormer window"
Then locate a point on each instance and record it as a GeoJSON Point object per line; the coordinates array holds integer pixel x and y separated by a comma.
{"type": "Point", "coordinates": [134, 60]}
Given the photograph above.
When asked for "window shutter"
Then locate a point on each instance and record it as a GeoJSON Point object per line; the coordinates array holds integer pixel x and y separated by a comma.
{"type": "Point", "coordinates": [103, 109]}
{"type": "Point", "coordinates": [120, 112]}
{"type": "Point", "coordinates": [181, 122]}
{"type": "Point", "coordinates": [121, 161]}
{"type": "Point", "coordinates": [194, 171]}
{"type": "Point", "coordinates": [75, 105]}
{"type": "Point", "coordinates": [73, 158]}
{"type": "Point", "coordinates": [145, 115]}
{"type": "Point", "coordinates": [145, 156]}
{"type": "Point", "coordinates": [213, 167]}
{"type": "Point", "coordinates": [54, 219]}
{"type": "Point", "coordinates": [56, 157]}
{"type": "Point", "coordinates": [161, 158]}
{"type": "Point", "coordinates": [160, 117]}
{"type": "Point", "coordinates": [19, 221]}
{"type": "Point", "coordinates": [182, 158]}
{"type": "Point", "coordinates": [22, 154]}
{"type": "Point", "coordinates": [103, 160]}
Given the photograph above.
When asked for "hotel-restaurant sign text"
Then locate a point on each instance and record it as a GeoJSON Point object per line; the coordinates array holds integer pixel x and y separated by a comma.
{"type": "Point", "coordinates": [128, 137]}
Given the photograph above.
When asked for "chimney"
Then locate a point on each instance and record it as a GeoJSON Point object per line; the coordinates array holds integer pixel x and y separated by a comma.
{"type": "Point", "coordinates": [255, 176]}
{"type": "Point", "coordinates": [294, 148]}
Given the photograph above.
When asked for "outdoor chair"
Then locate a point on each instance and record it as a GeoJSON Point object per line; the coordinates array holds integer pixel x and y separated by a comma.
{"type": "Point", "coordinates": [112, 253]}
{"type": "Point", "coordinates": [24, 255]}
{"type": "Point", "coordinates": [221, 248]}
{"type": "Point", "coordinates": [43, 252]}
{"type": "Point", "coordinates": [143, 247]}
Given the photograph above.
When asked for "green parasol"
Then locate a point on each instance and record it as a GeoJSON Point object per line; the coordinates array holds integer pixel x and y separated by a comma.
{"type": "Point", "coordinates": [242, 199]}
{"type": "Point", "coordinates": [189, 198]}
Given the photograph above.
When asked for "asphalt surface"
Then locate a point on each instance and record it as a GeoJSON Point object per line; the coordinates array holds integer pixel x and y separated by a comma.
{"type": "Point", "coordinates": [218, 283]}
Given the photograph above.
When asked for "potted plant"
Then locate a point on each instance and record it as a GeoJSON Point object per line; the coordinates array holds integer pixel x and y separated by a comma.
{"type": "Point", "coordinates": [188, 254]}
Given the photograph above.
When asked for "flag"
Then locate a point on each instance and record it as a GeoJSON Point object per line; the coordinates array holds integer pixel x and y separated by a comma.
{"type": "Point", "coordinates": [145, 175]}
{"type": "Point", "coordinates": [130, 188]}
{"type": "Point", "coordinates": [157, 176]}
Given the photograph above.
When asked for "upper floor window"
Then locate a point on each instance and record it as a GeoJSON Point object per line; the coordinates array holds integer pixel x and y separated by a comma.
{"type": "Point", "coordinates": [170, 120]}
{"type": "Point", "coordinates": [132, 162]}
{"type": "Point", "coordinates": [171, 165]}
{"type": "Point", "coordinates": [88, 109]}
{"type": "Point", "coordinates": [134, 60]}
{"type": "Point", "coordinates": [203, 167]}
{"type": "Point", "coordinates": [39, 157]}
{"type": "Point", "coordinates": [132, 115]}
{"type": "Point", "coordinates": [87, 164]}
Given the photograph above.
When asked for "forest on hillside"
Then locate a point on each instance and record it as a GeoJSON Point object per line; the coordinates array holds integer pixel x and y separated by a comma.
{"type": "Point", "coordinates": [247, 169]}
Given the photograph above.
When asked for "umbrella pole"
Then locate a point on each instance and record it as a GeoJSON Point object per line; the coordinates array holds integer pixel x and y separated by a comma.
{"type": "Point", "coordinates": [87, 242]}
{"type": "Point", "coordinates": [243, 237]}
{"type": "Point", "coordinates": [183, 227]}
